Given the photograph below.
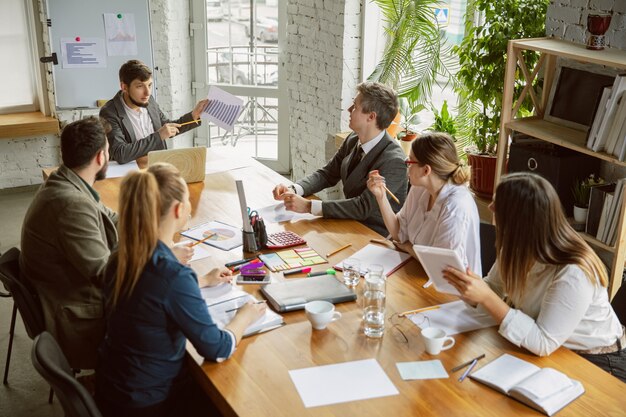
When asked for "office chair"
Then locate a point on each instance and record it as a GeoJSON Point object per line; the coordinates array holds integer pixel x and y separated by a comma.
{"type": "Point", "coordinates": [25, 300]}
{"type": "Point", "coordinates": [487, 246]}
{"type": "Point", "coordinates": [619, 303]}
{"type": "Point", "coordinates": [51, 364]}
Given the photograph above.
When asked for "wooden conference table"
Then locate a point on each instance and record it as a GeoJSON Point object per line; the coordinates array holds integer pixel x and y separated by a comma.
{"type": "Point", "coordinates": [255, 381]}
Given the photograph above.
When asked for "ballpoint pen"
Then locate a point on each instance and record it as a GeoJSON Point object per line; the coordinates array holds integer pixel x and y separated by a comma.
{"type": "Point", "coordinates": [468, 370]}
{"type": "Point", "coordinates": [239, 262]}
{"type": "Point", "coordinates": [240, 307]}
{"type": "Point", "coordinates": [464, 364]}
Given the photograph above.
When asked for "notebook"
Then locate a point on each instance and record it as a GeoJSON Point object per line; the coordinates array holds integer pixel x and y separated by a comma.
{"type": "Point", "coordinates": [390, 259]}
{"type": "Point", "coordinates": [434, 261]}
{"type": "Point", "coordinates": [189, 161]}
{"type": "Point", "coordinates": [546, 390]}
{"type": "Point", "coordinates": [295, 293]}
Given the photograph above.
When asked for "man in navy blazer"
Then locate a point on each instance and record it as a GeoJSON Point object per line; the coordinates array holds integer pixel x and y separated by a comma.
{"type": "Point", "coordinates": [137, 124]}
{"type": "Point", "coordinates": [369, 147]}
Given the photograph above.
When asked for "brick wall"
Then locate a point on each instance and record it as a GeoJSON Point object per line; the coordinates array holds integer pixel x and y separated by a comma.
{"type": "Point", "coordinates": [322, 67]}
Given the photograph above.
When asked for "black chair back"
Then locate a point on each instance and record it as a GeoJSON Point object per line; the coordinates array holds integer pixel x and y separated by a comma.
{"type": "Point", "coordinates": [487, 246]}
{"type": "Point", "coordinates": [51, 364]}
{"type": "Point", "coordinates": [619, 303]}
{"type": "Point", "coordinates": [24, 295]}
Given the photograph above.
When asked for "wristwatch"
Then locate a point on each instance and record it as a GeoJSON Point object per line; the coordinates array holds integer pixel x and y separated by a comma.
{"type": "Point", "coordinates": [293, 189]}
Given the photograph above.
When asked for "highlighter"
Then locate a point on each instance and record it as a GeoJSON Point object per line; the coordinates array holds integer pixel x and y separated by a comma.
{"type": "Point", "coordinates": [329, 271]}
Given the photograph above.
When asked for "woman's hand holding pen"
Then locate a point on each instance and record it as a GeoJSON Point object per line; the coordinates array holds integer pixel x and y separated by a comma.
{"type": "Point", "coordinates": [183, 252]}
{"type": "Point", "coordinates": [215, 277]}
{"type": "Point", "coordinates": [376, 185]}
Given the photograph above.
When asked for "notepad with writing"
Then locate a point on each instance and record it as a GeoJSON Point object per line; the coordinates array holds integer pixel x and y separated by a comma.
{"type": "Point", "coordinates": [390, 259]}
{"type": "Point", "coordinates": [546, 390]}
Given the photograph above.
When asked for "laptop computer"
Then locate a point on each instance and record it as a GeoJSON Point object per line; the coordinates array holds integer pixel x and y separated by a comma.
{"type": "Point", "coordinates": [293, 294]}
{"type": "Point", "coordinates": [191, 162]}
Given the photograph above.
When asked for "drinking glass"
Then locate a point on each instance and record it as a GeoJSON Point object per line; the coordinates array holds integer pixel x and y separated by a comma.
{"type": "Point", "coordinates": [351, 272]}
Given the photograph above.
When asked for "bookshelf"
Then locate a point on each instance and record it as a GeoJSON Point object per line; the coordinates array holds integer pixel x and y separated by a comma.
{"type": "Point", "coordinates": [550, 49]}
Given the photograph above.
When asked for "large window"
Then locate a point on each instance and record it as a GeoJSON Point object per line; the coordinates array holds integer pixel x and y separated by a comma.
{"type": "Point", "coordinates": [18, 74]}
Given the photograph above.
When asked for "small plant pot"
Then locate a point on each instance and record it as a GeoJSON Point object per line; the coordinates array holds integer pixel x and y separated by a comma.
{"type": "Point", "coordinates": [405, 142]}
{"type": "Point", "coordinates": [483, 174]}
{"type": "Point", "coordinates": [580, 214]}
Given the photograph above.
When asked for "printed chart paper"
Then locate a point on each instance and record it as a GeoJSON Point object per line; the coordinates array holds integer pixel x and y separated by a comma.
{"type": "Point", "coordinates": [83, 53]}
{"type": "Point", "coordinates": [121, 35]}
{"type": "Point", "coordinates": [222, 235]}
{"type": "Point", "coordinates": [277, 213]}
{"type": "Point", "coordinates": [342, 382]}
{"type": "Point", "coordinates": [223, 108]}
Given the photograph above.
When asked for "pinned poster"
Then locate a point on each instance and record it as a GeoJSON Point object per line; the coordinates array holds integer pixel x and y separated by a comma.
{"type": "Point", "coordinates": [223, 108]}
{"type": "Point", "coordinates": [83, 53]}
{"type": "Point", "coordinates": [121, 35]}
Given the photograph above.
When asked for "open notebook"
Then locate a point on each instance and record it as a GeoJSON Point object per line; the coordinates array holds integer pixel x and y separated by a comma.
{"type": "Point", "coordinates": [546, 390]}
{"type": "Point", "coordinates": [390, 259]}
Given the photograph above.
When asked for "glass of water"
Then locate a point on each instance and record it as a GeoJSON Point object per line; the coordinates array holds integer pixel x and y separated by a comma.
{"type": "Point", "coordinates": [351, 272]}
{"type": "Point", "coordinates": [374, 301]}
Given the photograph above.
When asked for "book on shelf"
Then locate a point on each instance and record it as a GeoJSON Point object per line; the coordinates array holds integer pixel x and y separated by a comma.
{"type": "Point", "coordinates": [600, 141]}
{"type": "Point", "coordinates": [596, 205]}
{"type": "Point", "coordinates": [598, 115]}
{"type": "Point", "coordinates": [613, 219]}
{"type": "Point", "coordinates": [620, 149]}
{"type": "Point", "coordinates": [602, 226]}
{"type": "Point", "coordinates": [612, 136]}
{"type": "Point", "coordinates": [544, 389]}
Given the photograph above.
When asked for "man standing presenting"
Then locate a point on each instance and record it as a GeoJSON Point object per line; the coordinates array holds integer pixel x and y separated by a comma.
{"type": "Point", "coordinates": [137, 124]}
{"type": "Point", "coordinates": [67, 237]}
{"type": "Point", "coordinates": [368, 148]}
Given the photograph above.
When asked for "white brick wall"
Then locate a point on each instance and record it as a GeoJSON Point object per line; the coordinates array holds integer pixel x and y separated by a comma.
{"type": "Point", "coordinates": [322, 62]}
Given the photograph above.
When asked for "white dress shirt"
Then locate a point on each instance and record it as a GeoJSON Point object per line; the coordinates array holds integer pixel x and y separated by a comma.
{"type": "Point", "coordinates": [140, 120]}
{"type": "Point", "coordinates": [560, 307]}
{"type": "Point", "coordinates": [316, 205]}
{"type": "Point", "coordinates": [452, 222]}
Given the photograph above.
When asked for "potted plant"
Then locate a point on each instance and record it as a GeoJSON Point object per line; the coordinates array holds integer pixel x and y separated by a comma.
{"type": "Point", "coordinates": [581, 191]}
{"type": "Point", "coordinates": [444, 121]}
{"type": "Point", "coordinates": [482, 54]}
{"type": "Point", "coordinates": [409, 118]}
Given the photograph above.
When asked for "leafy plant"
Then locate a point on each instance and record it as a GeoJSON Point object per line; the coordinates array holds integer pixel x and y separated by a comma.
{"type": "Point", "coordinates": [409, 112]}
{"type": "Point", "coordinates": [416, 54]}
{"type": "Point", "coordinates": [444, 121]}
{"type": "Point", "coordinates": [582, 190]}
{"type": "Point", "coordinates": [482, 56]}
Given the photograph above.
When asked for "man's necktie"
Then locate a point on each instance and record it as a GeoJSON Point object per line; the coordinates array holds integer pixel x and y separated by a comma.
{"type": "Point", "coordinates": [357, 155]}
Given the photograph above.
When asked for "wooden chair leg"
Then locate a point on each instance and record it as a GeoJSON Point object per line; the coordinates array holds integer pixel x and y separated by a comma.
{"type": "Point", "coordinates": [5, 381]}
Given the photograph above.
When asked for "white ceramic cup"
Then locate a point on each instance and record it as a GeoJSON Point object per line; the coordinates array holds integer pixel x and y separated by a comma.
{"type": "Point", "coordinates": [320, 313]}
{"type": "Point", "coordinates": [435, 339]}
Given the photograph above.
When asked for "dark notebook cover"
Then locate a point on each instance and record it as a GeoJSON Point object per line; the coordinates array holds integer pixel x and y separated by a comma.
{"type": "Point", "coordinates": [596, 203]}
{"type": "Point", "coordinates": [295, 293]}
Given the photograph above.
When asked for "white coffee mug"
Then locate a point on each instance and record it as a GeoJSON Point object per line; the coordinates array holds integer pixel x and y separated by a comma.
{"type": "Point", "coordinates": [435, 339]}
{"type": "Point", "coordinates": [320, 313]}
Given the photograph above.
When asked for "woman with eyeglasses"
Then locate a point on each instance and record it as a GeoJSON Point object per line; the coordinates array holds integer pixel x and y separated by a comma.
{"type": "Point", "coordinates": [439, 209]}
{"type": "Point", "coordinates": [154, 305]}
{"type": "Point", "coordinates": [548, 287]}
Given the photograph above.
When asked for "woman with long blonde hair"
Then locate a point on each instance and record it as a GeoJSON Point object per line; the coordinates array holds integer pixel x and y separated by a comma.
{"type": "Point", "coordinates": [548, 287]}
{"type": "Point", "coordinates": [155, 305]}
{"type": "Point", "coordinates": [439, 209]}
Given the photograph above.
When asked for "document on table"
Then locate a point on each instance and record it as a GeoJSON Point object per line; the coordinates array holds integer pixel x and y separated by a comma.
{"type": "Point", "coordinates": [277, 213]}
{"type": "Point", "coordinates": [223, 108]}
{"type": "Point", "coordinates": [455, 317]}
{"type": "Point", "coordinates": [342, 382]}
{"type": "Point", "coordinates": [421, 370]}
{"type": "Point", "coordinates": [116, 170]}
{"type": "Point", "coordinates": [390, 259]}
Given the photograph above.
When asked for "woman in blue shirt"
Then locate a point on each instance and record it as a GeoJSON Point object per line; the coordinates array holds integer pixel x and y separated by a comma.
{"type": "Point", "coordinates": [154, 305]}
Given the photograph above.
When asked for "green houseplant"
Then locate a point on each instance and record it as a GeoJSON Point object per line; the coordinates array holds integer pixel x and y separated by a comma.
{"type": "Point", "coordinates": [581, 191]}
{"type": "Point", "coordinates": [444, 120]}
{"type": "Point", "coordinates": [482, 60]}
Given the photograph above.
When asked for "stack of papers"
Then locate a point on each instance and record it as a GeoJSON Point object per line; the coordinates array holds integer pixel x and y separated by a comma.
{"type": "Point", "coordinates": [390, 259]}
{"type": "Point", "coordinates": [455, 317]}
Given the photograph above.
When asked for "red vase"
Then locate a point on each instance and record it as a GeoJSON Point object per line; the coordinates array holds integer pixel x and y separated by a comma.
{"type": "Point", "coordinates": [483, 174]}
{"type": "Point", "coordinates": [597, 25]}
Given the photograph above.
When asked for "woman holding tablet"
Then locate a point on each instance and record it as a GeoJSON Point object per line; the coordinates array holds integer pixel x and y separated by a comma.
{"type": "Point", "coordinates": [547, 287]}
{"type": "Point", "coordinates": [154, 305]}
{"type": "Point", "coordinates": [439, 209]}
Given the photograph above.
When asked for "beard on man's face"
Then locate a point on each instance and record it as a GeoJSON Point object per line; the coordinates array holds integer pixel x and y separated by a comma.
{"type": "Point", "coordinates": [102, 174]}
{"type": "Point", "coordinates": [137, 103]}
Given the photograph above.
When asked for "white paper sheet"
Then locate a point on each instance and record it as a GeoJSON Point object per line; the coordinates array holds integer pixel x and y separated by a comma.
{"type": "Point", "coordinates": [83, 53]}
{"type": "Point", "coordinates": [121, 35]}
{"type": "Point", "coordinates": [223, 108]}
{"type": "Point", "coordinates": [455, 317]}
{"type": "Point", "coordinates": [342, 382]}
{"type": "Point", "coordinates": [421, 370]}
{"type": "Point", "coordinates": [277, 213]}
{"type": "Point", "coordinates": [223, 236]}
{"type": "Point", "coordinates": [390, 259]}
{"type": "Point", "coordinates": [116, 170]}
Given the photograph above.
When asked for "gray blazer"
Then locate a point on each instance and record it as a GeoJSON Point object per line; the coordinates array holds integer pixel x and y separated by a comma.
{"type": "Point", "coordinates": [360, 204]}
{"type": "Point", "coordinates": [123, 145]}
{"type": "Point", "coordinates": [67, 238]}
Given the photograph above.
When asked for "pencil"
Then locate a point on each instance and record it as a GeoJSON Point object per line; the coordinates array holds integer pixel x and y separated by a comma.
{"type": "Point", "coordinates": [391, 195]}
{"type": "Point", "coordinates": [418, 310]}
{"type": "Point", "coordinates": [203, 240]}
{"type": "Point", "coordinates": [463, 365]}
{"type": "Point", "coordinates": [380, 241]}
{"type": "Point", "coordinates": [338, 250]}
{"type": "Point", "coordinates": [197, 120]}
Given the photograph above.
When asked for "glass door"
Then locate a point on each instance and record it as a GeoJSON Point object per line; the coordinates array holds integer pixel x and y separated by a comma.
{"type": "Point", "coordinates": [237, 48]}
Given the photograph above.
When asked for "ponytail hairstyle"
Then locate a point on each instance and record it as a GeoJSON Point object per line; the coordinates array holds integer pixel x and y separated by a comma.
{"type": "Point", "coordinates": [437, 150]}
{"type": "Point", "coordinates": [531, 227]}
{"type": "Point", "coordinates": [145, 197]}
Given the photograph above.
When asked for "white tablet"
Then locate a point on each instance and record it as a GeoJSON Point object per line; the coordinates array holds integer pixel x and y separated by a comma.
{"type": "Point", "coordinates": [434, 261]}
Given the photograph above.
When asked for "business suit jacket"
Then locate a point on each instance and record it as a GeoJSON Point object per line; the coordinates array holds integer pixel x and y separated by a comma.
{"type": "Point", "coordinates": [360, 204]}
{"type": "Point", "coordinates": [67, 238]}
{"type": "Point", "coordinates": [124, 146]}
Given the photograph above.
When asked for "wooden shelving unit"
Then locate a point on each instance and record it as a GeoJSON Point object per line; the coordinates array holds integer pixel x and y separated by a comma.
{"type": "Point", "coordinates": [550, 49]}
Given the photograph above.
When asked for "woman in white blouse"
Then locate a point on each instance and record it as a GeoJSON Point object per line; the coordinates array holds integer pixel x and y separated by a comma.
{"type": "Point", "coordinates": [439, 209]}
{"type": "Point", "coordinates": [548, 287]}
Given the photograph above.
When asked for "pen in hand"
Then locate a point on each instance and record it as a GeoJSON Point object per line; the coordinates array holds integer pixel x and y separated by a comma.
{"type": "Point", "coordinates": [240, 307]}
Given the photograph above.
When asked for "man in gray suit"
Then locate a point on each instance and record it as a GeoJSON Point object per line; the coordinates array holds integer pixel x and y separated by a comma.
{"type": "Point", "coordinates": [368, 148]}
{"type": "Point", "coordinates": [137, 124]}
{"type": "Point", "coordinates": [67, 237]}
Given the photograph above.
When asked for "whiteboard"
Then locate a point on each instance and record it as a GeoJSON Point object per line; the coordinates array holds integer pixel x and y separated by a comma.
{"type": "Point", "coordinates": [84, 19]}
